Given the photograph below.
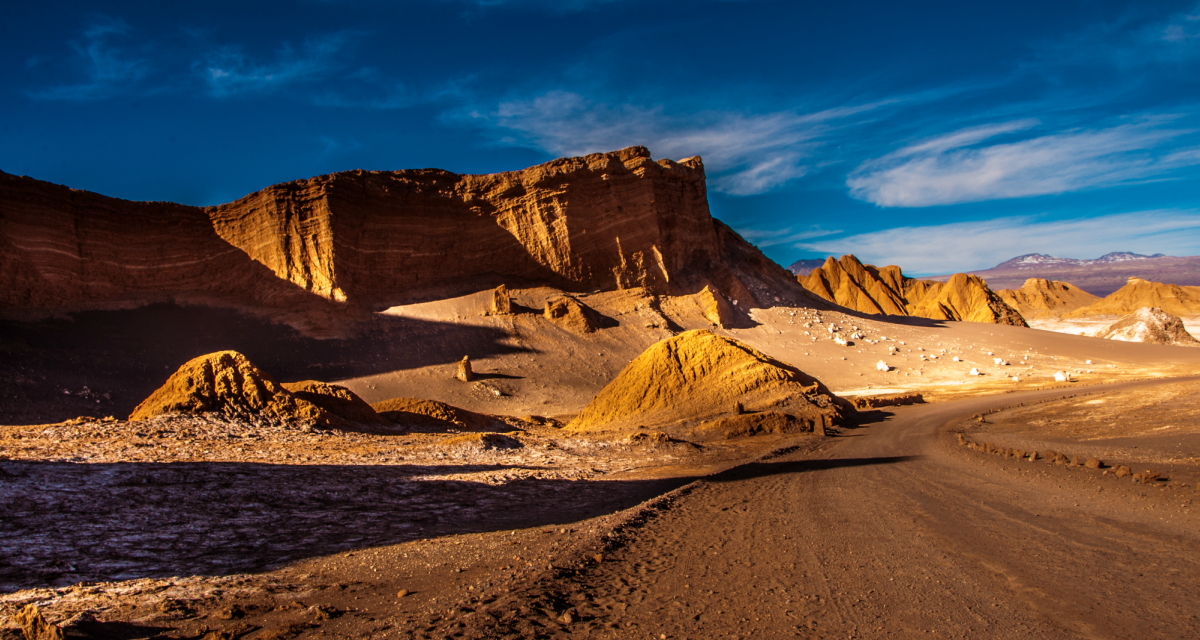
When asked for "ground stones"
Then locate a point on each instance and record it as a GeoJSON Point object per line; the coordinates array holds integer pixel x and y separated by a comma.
{"type": "Point", "coordinates": [1123, 472]}
{"type": "Point", "coordinates": [1094, 463]}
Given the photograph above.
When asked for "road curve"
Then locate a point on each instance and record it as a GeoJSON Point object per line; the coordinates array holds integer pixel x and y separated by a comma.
{"type": "Point", "coordinates": [895, 532]}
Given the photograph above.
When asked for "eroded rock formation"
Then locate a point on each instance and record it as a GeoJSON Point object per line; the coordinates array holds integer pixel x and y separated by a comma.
{"type": "Point", "coordinates": [364, 239]}
{"type": "Point", "coordinates": [697, 376]}
{"type": "Point", "coordinates": [1041, 298]}
{"type": "Point", "coordinates": [1137, 294]}
{"type": "Point", "coordinates": [226, 382]}
{"type": "Point", "coordinates": [1150, 325]}
{"type": "Point", "coordinates": [870, 289]}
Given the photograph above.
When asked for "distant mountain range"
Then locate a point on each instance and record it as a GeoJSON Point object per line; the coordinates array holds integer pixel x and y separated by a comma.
{"type": "Point", "coordinates": [805, 267]}
{"type": "Point", "coordinates": [1099, 277]}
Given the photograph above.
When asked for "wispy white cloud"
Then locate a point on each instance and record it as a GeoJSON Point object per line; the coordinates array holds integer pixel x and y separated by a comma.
{"type": "Point", "coordinates": [109, 68]}
{"type": "Point", "coordinates": [748, 153]}
{"type": "Point", "coordinates": [228, 70]}
{"type": "Point", "coordinates": [787, 235]}
{"type": "Point", "coordinates": [980, 245]}
{"type": "Point", "coordinates": [954, 168]}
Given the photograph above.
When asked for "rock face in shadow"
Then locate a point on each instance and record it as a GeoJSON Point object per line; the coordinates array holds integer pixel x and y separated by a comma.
{"type": "Point", "coordinates": [364, 239]}
{"type": "Point", "coordinates": [1137, 294]}
{"type": "Point", "coordinates": [1042, 298]}
{"type": "Point", "coordinates": [870, 289]}
{"type": "Point", "coordinates": [415, 412]}
{"type": "Point", "coordinates": [1150, 325]}
{"type": "Point", "coordinates": [698, 376]}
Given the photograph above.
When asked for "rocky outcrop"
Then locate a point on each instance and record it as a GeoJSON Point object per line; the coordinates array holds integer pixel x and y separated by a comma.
{"type": "Point", "coordinates": [715, 308]}
{"type": "Point", "coordinates": [1041, 298]}
{"type": "Point", "coordinates": [364, 239]}
{"type": "Point", "coordinates": [1137, 294]}
{"type": "Point", "coordinates": [1150, 325]}
{"type": "Point", "coordinates": [336, 400]}
{"type": "Point", "coordinates": [226, 382]}
{"type": "Point", "coordinates": [887, 291]}
{"type": "Point", "coordinates": [697, 376]}
{"type": "Point", "coordinates": [572, 315]}
{"type": "Point", "coordinates": [415, 412]}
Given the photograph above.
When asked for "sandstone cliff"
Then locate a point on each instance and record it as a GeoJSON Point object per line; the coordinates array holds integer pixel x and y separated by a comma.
{"type": "Point", "coordinates": [1138, 293]}
{"type": "Point", "coordinates": [869, 289]}
{"type": "Point", "coordinates": [1040, 298]}
{"type": "Point", "coordinates": [363, 239]}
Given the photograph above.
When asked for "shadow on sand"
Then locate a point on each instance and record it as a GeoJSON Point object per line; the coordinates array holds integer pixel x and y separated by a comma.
{"type": "Point", "coordinates": [65, 523]}
{"type": "Point", "coordinates": [121, 356]}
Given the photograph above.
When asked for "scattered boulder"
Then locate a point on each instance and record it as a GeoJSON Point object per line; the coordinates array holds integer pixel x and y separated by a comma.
{"type": "Point", "coordinates": [572, 315]}
{"type": "Point", "coordinates": [697, 376]}
{"type": "Point", "coordinates": [974, 372]}
{"type": "Point", "coordinates": [1123, 472]}
{"type": "Point", "coordinates": [464, 372]}
{"type": "Point", "coordinates": [1146, 477]}
{"type": "Point", "coordinates": [227, 382]}
{"type": "Point", "coordinates": [501, 302]}
{"type": "Point", "coordinates": [1094, 463]}
{"type": "Point", "coordinates": [882, 366]}
{"type": "Point", "coordinates": [1062, 376]}
{"type": "Point", "coordinates": [1150, 325]}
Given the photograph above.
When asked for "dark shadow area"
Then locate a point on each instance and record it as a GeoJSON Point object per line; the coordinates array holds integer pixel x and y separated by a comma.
{"type": "Point", "coordinates": [483, 375]}
{"type": "Point", "coordinates": [65, 523]}
{"type": "Point", "coordinates": [113, 630]}
{"type": "Point", "coordinates": [103, 363]}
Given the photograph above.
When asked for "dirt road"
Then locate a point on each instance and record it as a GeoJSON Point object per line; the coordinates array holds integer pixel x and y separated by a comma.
{"type": "Point", "coordinates": [892, 532]}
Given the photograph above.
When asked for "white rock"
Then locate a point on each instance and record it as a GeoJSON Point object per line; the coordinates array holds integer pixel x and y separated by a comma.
{"type": "Point", "coordinates": [882, 366]}
{"type": "Point", "coordinates": [1088, 362]}
{"type": "Point", "coordinates": [998, 360]}
{"type": "Point", "coordinates": [956, 359]}
{"type": "Point", "coordinates": [974, 372]}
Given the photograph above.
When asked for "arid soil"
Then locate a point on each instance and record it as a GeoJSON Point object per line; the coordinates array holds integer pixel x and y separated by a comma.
{"type": "Point", "coordinates": [893, 530]}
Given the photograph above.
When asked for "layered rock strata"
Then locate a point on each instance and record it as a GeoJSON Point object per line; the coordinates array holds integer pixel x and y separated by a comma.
{"type": "Point", "coordinates": [367, 238]}
{"type": "Point", "coordinates": [1041, 298]}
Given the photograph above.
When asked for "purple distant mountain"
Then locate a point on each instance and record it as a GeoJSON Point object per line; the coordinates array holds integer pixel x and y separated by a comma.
{"type": "Point", "coordinates": [1099, 277]}
{"type": "Point", "coordinates": [805, 267]}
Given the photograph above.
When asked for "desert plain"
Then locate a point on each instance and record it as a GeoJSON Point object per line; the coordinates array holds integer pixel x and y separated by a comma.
{"type": "Point", "coordinates": [662, 434]}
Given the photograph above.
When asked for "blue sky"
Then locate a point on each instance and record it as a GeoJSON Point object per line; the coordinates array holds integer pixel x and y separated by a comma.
{"type": "Point", "coordinates": [938, 136]}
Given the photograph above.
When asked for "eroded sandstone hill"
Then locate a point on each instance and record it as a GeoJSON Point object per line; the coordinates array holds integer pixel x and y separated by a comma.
{"type": "Point", "coordinates": [700, 385]}
{"type": "Point", "coordinates": [366, 239]}
{"type": "Point", "coordinates": [1042, 298]}
{"type": "Point", "coordinates": [886, 290]}
{"type": "Point", "coordinates": [1137, 294]}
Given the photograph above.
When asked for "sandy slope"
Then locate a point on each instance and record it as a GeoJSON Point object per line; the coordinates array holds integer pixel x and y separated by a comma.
{"type": "Point", "coordinates": [556, 372]}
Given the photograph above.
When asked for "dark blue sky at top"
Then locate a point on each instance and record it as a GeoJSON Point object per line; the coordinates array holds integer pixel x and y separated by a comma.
{"type": "Point", "coordinates": [937, 136]}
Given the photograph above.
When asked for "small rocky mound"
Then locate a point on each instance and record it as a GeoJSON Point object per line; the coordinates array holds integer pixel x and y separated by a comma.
{"type": "Point", "coordinates": [482, 441]}
{"type": "Point", "coordinates": [1151, 325]}
{"type": "Point", "coordinates": [697, 376]}
{"type": "Point", "coordinates": [572, 315]}
{"type": "Point", "coordinates": [433, 414]}
{"type": "Point", "coordinates": [763, 422]}
{"type": "Point", "coordinates": [227, 382]}
{"type": "Point", "coordinates": [501, 302]}
{"type": "Point", "coordinates": [892, 400]}
{"type": "Point", "coordinates": [336, 400]}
